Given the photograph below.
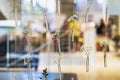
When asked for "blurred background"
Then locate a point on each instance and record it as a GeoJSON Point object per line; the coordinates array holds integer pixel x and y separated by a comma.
{"type": "Point", "coordinates": [97, 25]}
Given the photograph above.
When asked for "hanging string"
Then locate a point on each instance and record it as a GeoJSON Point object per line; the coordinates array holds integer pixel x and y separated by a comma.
{"type": "Point", "coordinates": [105, 58]}
{"type": "Point", "coordinates": [74, 3]}
{"type": "Point", "coordinates": [87, 10]}
{"type": "Point", "coordinates": [104, 43]}
{"type": "Point", "coordinates": [29, 45]}
{"type": "Point", "coordinates": [45, 17]}
{"type": "Point", "coordinates": [27, 61]}
{"type": "Point", "coordinates": [58, 61]}
{"type": "Point", "coordinates": [87, 63]}
{"type": "Point", "coordinates": [86, 49]}
{"type": "Point", "coordinates": [105, 51]}
{"type": "Point", "coordinates": [72, 31]}
{"type": "Point", "coordinates": [59, 67]}
{"type": "Point", "coordinates": [59, 51]}
{"type": "Point", "coordinates": [72, 19]}
{"type": "Point", "coordinates": [31, 7]}
{"type": "Point", "coordinates": [58, 40]}
{"type": "Point", "coordinates": [30, 57]}
{"type": "Point", "coordinates": [58, 3]}
{"type": "Point", "coordinates": [16, 26]}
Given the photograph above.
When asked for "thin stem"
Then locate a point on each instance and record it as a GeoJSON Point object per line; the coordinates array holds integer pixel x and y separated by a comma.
{"type": "Point", "coordinates": [87, 63]}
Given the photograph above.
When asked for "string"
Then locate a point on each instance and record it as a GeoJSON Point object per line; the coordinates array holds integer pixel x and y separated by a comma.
{"type": "Point", "coordinates": [86, 16]}
{"type": "Point", "coordinates": [30, 57]}
{"type": "Point", "coordinates": [45, 16]}
{"type": "Point", "coordinates": [87, 63]}
{"type": "Point", "coordinates": [72, 31]}
{"type": "Point", "coordinates": [74, 6]}
{"type": "Point", "coordinates": [57, 36]}
{"type": "Point", "coordinates": [86, 49]}
{"type": "Point", "coordinates": [30, 47]}
{"type": "Point", "coordinates": [59, 12]}
{"type": "Point", "coordinates": [16, 25]}
{"type": "Point", "coordinates": [87, 10]}
{"type": "Point", "coordinates": [59, 60]}
{"type": "Point", "coordinates": [59, 68]}
{"type": "Point", "coordinates": [105, 52]}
